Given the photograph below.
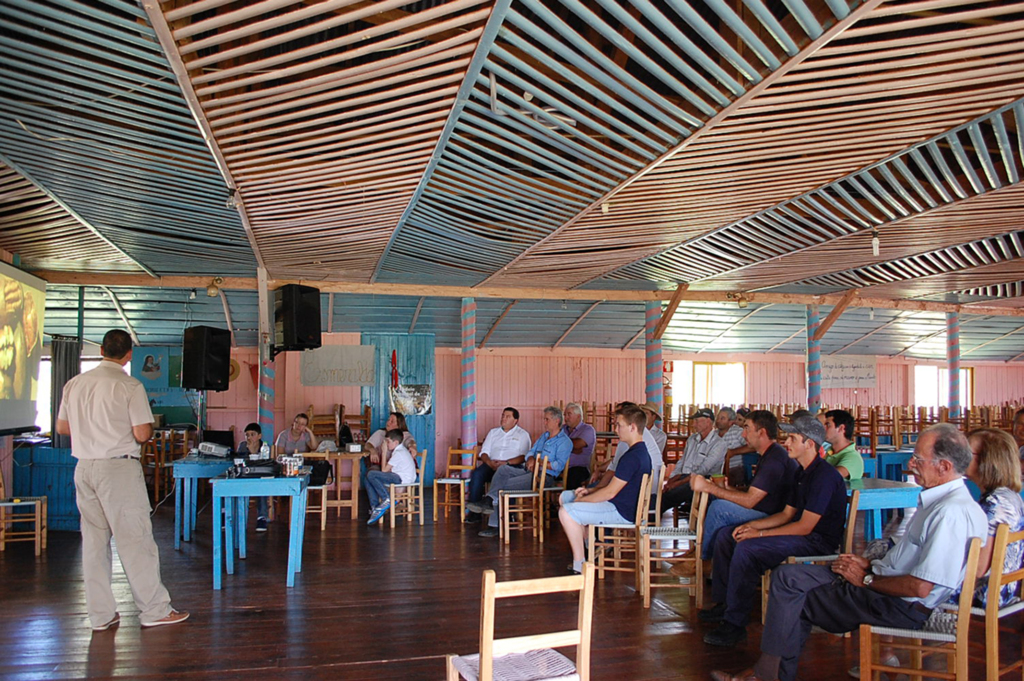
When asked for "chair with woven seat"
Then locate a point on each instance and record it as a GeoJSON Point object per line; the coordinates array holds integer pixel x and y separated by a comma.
{"type": "Point", "coordinates": [455, 482]}
{"type": "Point", "coordinates": [22, 511]}
{"type": "Point", "coordinates": [529, 658]}
{"type": "Point", "coordinates": [525, 504]}
{"type": "Point", "coordinates": [616, 548]}
{"type": "Point", "coordinates": [407, 500]}
{"type": "Point", "coordinates": [661, 545]}
{"type": "Point", "coordinates": [946, 630]}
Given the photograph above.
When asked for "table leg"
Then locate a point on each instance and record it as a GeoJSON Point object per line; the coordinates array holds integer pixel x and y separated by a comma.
{"type": "Point", "coordinates": [229, 535]}
{"type": "Point", "coordinates": [337, 484]}
{"type": "Point", "coordinates": [293, 539]}
{"type": "Point", "coordinates": [242, 517]}
{"type": "Point", "coordinates": [873, 525]}
{"type": "Point", "coordinates": [217, 541]}
{"type": "Point", "coordinates": [177, 516]}
{"type": "Point", "coordinates": [188, 520]}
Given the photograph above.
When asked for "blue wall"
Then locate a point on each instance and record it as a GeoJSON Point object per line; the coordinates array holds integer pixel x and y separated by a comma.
{"type": "Point", "coordinates": [415, 367]}
{"type": "Point", "coordinates": [49, 472]}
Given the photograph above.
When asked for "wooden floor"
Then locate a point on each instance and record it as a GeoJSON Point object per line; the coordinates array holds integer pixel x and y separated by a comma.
{"type": "Point", "coordinates": [370, 603]}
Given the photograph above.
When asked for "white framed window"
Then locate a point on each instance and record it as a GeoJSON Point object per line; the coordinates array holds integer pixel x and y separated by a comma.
{"type": "Point", "coordinates": [43, 389]}
{"type": "Point", "coordinates": [931, 387]}
{"type": "Point", "coordinates": [722, 383]}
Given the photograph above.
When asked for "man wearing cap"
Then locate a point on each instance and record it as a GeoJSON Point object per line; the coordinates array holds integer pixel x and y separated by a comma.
{"type": "Point", "coordinates": [735, 444]}
{"type": "Point", "coordinates": [839, 427]}
{"type": "Point", "coordinates": [704, 455]}
{"type": "Point", "coordinates": [583, 438]}
{"type": "Point", "coordinates": [651, 409]}
{"type": "Point", "coordinates": [811, 523]}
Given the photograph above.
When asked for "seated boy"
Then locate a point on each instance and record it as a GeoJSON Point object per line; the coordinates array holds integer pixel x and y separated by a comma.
{"type": "Point", "coordinates": [251, 450]}
{"type": "Point", "coordinates": [398, 468]}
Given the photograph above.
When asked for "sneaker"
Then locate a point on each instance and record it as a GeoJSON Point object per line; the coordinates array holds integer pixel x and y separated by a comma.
{"type": "Point", "coordinates": [114, 621]}
{"type": "Point", "coordinates": [712, 614]}
{"type": "Point", "coordinates": [378, 513]}
{"type": "Point", "coordinates": [489, 532]}
{"type": "Point", "coordinates": [891, 661]}
{"type": "Point", "coordinates": [726, 635]}
{"type": "Point", "coordinates": [485, 506]}
{"type": "Point", "coordinates": [261, 524]}
{"type": "Point", "coordinates": [174, 617]}
{"type": "Point", "coordinates": [687, 569]}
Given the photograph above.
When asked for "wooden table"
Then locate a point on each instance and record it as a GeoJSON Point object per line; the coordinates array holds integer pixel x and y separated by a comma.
{"type": "Point", "coordinates": [187, 473]}
{"type": "Point", "coordinates": [226, 518]}
{"type": "Point", "coordinates": [352, 502]}
{"type": "Point", "coordinates": [892, 463]}
{"type": "Point", "coordinates": [877, 495]}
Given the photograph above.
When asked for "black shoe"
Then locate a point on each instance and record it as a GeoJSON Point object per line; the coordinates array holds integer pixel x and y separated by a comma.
{"type": "Point", "coordinates": [489, 532]}
{"type": "Point", "coordinates": [472, 518]}
{"type": "Point", "coordinates": [572, 570]}
{"type": "Point", "coordinates": [484, 506]}
{"type": "Point", "coordinates": [712, 614]}
{"type": "Point", "coordinates": [261, 524]}
{"type": "Point", "coordinates": [726, 635]}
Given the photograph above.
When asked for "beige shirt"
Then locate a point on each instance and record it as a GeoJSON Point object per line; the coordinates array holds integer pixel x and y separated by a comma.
{"type": "Point", "coordinates": [102, 406]}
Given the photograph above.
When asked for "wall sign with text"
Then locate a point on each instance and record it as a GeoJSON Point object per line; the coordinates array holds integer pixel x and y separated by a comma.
{"type": "Point", "coordinates": [332, 365]}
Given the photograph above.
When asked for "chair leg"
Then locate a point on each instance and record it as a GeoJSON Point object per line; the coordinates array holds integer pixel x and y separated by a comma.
{"type": "Point", "coordinates": [453, 674]}
{"type": "Point", "coordinates": [462, 502]}
{"type": "Point", "coordinates": [436, 500]}
{"type": "Point", "coordinates": [323, 509]}
{"type": "Point", "coordinates": [419, 503]}
{"type": "Point", "coordinates": [38, 526]}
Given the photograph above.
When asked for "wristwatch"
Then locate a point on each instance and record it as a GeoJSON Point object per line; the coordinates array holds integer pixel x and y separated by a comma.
{"type": "Point", "coordinates": [868, 578]}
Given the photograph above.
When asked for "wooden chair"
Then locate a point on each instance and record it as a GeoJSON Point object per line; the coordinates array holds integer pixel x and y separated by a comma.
{"type": "Point", "coordinates": [660, 545]}
{"type": "Point", "coordinates": [993, 613]}
{"type": "Point", "coordinates": [616, 548]}
{"type": "Point", "coordinates": [547, 491]}
{"type": "Point", "coordinates": [407, 500]}
{"type": "Point", "coordinates": [156, 456]}
{"type": "Point", "coordinates": [325, 425]}
{"type": "Point", "coordinates": [22, 511]}
{"type": "Point", "coordinates": [948, 629]}
{"type": "Point", "coordinates": [847, 547]}
{"type": "Point", "coordinates": [529, 657]}
{"type": "Point", "coordinates": [324, 490]}
{"type": "Point", "coordinates": [359, 423]}
{"type": "Point", "coordinates": [454, 481]}
{"type": "Point", "coordinates": [526, 504]}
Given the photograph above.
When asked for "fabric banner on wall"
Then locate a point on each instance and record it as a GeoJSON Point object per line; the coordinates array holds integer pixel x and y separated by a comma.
{"type": "Point", "coordinates": [338, 365]}
{"type": "Point", "coordinates": [848, 371]}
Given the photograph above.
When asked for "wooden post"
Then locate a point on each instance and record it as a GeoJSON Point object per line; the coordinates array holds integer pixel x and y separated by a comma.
{"type": "Point", "coordinates": [813, 360]}
{"type": "Point", "coordinates": [469, 435]}
{"type": "Point", "coordinates": [653, 386]}
{"type": "Point", "coordinates": [953, 361]}
{"type": "Point", "coordinates": [268, 377]}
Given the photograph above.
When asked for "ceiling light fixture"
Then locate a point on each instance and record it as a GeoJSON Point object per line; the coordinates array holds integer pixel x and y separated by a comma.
{"type": "Point", "coordinates": [876, 245]}
{"type": "Point", "coordinates": [214, 288]}
{"type": "Point", "coordinates": [742, 302]}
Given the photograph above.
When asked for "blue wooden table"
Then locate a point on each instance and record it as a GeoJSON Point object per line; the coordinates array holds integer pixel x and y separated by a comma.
{"type": "Point", "coordinates": [187, 473]}
{"type": "Point", "coordinates": [877, 495]}
{"type": "Point", "coordinates": [232, 495]}
{"type": "Point", "coordinates": [892, 463]}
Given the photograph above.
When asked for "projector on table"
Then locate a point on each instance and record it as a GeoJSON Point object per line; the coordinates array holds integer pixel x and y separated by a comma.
{"type": "Point", "coordinates": [214, 449]}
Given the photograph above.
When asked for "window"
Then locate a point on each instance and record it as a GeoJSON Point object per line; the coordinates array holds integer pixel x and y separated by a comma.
{"type": "Point", "coordinates": [931, 387]}
{"type": "Point", "coordinates": [43, 389]}
{"type": "Point", "coordinates": [707, 383]}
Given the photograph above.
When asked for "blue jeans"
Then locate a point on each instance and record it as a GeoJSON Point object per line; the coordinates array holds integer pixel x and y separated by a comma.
{"type": "Point", "coordinates": [722, 513]}
{"type": "Point", "coordinates": [478, 479]}
{"type": "Point", "coordinates": [261, 507]}
{"type": "Point", "coordinates": [377, 486]}
{"type": "Point", "coordinates": [586, 513]}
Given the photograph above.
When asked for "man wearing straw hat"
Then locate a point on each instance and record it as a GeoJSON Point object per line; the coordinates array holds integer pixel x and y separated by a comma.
{"type": "Point", "coordinates": [651, 409]}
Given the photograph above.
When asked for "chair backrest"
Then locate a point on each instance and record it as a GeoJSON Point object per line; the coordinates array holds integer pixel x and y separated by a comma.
{"type": "Point", "coordinates": [698, 511]}
{"type": "Point", "coordinates": [967, 593]}
{"type": "Point", "coordinates": [456, 461]}
{"type": "Point", "coordinates": [997, 578]}
{"type": "Point", "coordinates": [578, 637]}
{"type": "Point", "coordinates": [661, 488]}
{"type": "Point", "coordinates": [643, 502]}
{"type": "Point", "coordinates": [538, 476]}
{"type": "Point", "coordinates": [851, 521]}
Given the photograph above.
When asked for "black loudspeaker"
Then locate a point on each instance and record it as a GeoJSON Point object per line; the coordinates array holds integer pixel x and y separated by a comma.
{"type": "Point", "coordinates": [296, 318]}
{"type": "Point", "coordinates": [206, 358]}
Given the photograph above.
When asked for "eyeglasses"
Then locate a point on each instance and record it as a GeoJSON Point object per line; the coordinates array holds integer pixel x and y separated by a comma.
{"type": "Point", "coordinates": [920, 459]}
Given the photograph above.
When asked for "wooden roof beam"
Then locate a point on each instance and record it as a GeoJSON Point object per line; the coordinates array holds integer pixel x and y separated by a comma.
{"type": "Point", "coordinates": [416, 314]}
{"type": "Point", "coordinates": [227, 318]}
{"type": "Point", "coordinates": [122, 315]}
{"type": "Point", "coordinates": [634, 338]}
{"type": "Point", "coordinates": [573, 325]}
{"type": "Point", "coordinates": [834, 315]}
{"type": "Point", "coordinates": [670, 311]}
{"type": "Point", "coordinates": [497, 321]}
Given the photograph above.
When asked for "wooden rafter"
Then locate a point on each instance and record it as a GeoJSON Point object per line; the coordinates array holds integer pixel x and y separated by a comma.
{"type": "Point", "coordinates": [670, 311]}
{"type": "Point", "coordinates": [634, 338]}
{"type": "Point", "coordinates": [734, 325]}
{"type": "Point", "coordinates": [963, 322]}
{"type": "Point", "coordinates": [330, 312]}
{"type": "Point", "coordinates": [227, 317]}
{"type": "Point", "coordinates": [789, 338]}
{"type": "Point", "coordinates": [122, 315]}
{"type": "Point", "coordinates": [573, 325]}
{"type": "Point", "coordinates": [834, 315]}
{"type": "Point", "coordinates": [416, 314]}
{"type": "Point", "coordinates": [497, 321]}
{"type": "Point", "coordinates": [889, 323]}
{"type": "Point", "coordinates": [989, 342]}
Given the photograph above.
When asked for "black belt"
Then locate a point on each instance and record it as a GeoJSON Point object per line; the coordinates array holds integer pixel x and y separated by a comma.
{"type": "Point", "coordinates": [922, 608]}
{"type": "Point", "coordinates": [125, 457]}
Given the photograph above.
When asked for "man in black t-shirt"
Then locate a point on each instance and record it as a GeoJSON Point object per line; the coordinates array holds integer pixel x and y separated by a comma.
{"type": "Point", "coordinates": [768, 492]}
{"type": "Point", "coordinates": [616, 502]}
{"type": "Point", "coordinates": [811, 524]}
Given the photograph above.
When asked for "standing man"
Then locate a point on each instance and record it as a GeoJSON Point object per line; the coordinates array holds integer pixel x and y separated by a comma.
{"type": "Point", "coordinates": [616, 502]}
{"type": "Point", "coordinates": [504, 446]}
{"type": "Point", "coordinates": [106, 413]}
{"type": "Point", "coordinates": [704, 455]}
{"type": "Point", "coordinates": [811, 524]}
{"type": "Point", "coordinates": [899, 590]}
{"type": "Point", "coordinates": [839, 427]}
{"type": "Point", "coordinates": [583, 438]}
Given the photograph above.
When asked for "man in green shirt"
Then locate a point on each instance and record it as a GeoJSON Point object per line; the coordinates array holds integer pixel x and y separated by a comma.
{"type": "Point", "coordinates": [839, 427]}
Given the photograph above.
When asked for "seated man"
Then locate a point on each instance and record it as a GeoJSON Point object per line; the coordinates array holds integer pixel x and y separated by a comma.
{"type": "Point", "coordinates": [553, 443]}
{"type": "Point", "coordinates": [583, 438]}
{"type": "Point", "coordinates": [899, 590]}
{"type": "Point", "coordinates": [811, 524]}
{"type": "Point", "coordinates": [727, 423]}
{"type": "Point", "coordinates": [659, 435]}
{"type": "Point", "coordinates": [251, 450]}
{"type": "Point", "coordinates": [839, 426]}
{"type": "Point", "coordinates": [768, 491]}
{"type": "Point", "coordinates": [616, 502]}
{"type": "Point", "coordinates": [504, 446]}
{"type": "Point", "coordinates": [704, 455]}
{"type": "Point", "coordinates": [601, 478]}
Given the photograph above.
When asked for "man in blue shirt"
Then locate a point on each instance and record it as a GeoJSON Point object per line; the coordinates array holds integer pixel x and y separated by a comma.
{"type": "Point", "coordinates": [899, 590]}
{"type": "Point", "coordinates": [811, 524]}
{"type": "Point", "coordinates": [553, 443]}
{"type": "Point", "coordinates": [616, 502]}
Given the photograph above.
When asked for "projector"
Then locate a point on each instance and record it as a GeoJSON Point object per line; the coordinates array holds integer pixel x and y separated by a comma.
{"type": "Point", "coordinates": [214, 449]}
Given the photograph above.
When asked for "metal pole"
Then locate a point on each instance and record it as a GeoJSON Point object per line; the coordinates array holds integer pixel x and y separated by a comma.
{"type": "Point", "coordinates": [813, 360]}
{"type": "Point", "coordinates": [469, 434]}
{"type": "Point", "coordinates": [654, 386]}
{"type": "Point", "coordinates": [953, 361]}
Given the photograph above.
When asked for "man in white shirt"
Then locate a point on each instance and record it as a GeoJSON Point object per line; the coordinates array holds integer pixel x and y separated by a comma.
{"type": "Point", "coordinates": [106, 413]}
{"type": "Point", "coordinates": [503, 446]}
{"type": "Point", "coordinates": [660, 436]}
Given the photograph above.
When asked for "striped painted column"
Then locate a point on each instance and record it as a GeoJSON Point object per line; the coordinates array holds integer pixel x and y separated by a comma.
{"type": "Point", "coordinates": [469, 435]}
{"type": "Point", "coordinates": [953, 361]}
{"type": "Point", "coordinates": [266, 399]}
{"type": "Point", "coordinates": [654, 386]}
{"type": "Point", "coordinates": [813, 360]}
